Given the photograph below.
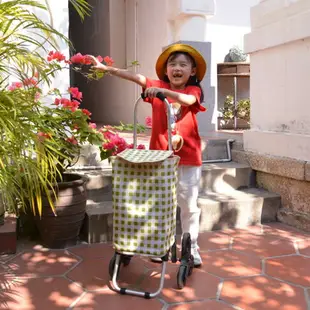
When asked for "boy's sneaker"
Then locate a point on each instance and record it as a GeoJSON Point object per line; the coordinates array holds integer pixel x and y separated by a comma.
{"type": "Point", "coordinates": [197, 258]}
{"type": "Point", "coordinates": [156, 260]}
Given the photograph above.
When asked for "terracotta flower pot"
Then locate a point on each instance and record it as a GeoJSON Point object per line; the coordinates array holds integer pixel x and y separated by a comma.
{"type": "Point", "coordinates": [63, 230]}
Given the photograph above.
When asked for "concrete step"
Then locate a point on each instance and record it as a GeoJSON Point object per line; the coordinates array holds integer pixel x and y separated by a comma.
{"type": "Point", "coordinates": [226, 177]}
{"type": "Point", "coordinates": [220, 177]}
{"type": "Point", "coordinates": [98, 222]}
{"type": "Point", "coordinates": [237, 209]}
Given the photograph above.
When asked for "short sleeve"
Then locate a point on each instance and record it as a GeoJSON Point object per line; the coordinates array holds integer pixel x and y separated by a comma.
{"type": "Point", "coordinates": [153, 83]}
{"type": "Point", "coordinates": [195, 91]}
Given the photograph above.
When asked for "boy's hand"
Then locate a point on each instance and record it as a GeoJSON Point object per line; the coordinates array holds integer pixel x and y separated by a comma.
{"type": "Point", "coordinates": [153, 91]}
{"type": "Point", "coordinates": [96, 64]}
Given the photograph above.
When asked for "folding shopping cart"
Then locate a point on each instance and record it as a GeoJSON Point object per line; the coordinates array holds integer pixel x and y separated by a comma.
{"type": "Point", "coordinates": [145, 204]}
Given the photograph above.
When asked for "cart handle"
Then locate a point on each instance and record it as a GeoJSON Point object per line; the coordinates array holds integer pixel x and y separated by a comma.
{"type": "Point", "coordinates": [163, 98]}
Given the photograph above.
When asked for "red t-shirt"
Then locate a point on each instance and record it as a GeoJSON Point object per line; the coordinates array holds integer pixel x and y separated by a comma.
{"type": "Point", "coordinates": [190, 153]}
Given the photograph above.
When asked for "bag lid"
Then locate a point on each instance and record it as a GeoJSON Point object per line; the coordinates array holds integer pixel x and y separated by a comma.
{"type": "Point", "coordinates": [144, 156]}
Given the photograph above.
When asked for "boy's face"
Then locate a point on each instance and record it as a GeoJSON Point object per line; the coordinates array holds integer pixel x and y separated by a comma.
{"type": "Point", "coordinates": [179, 70]}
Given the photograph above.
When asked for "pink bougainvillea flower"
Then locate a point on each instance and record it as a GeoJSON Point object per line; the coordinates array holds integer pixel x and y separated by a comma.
{"type": "Point", "coordinates": [30, 82]}
{"type": "Point", "coordinates": [37, 96]}
{"type": "Point", "coordinates": [57, 101]}
{"type": "Point", "coordinates": [55, 56]}
{"type": "Point", "coordinates": [43, 135]}
{"type": "Point", "coordinates": [108, 60]}
{"type": "Point", "coordinates": [72, 140]}
{"type": "Point", "coordinates": [65, 102]}
{"type": "Point", "coordinates": [80, 59]}
{"type": "Point", "coordinates": [139, 147]}
{"type": "Point", "coordinates": [74, 105]}
{"type": "Point", "coordinates": [148, 121]}
{"type": "Point", "coordinates": [108, 146]}
{"type": "Point", "coordinates": [74, 91]}
{"type": "Point", "coordinates": [108, 135]}
{"type": "Point", "coordinates": [100, 59]}
{"type": "Point", "coordinates": [86, 112]}
{"type": "Point", "coordinates": [15, 85]}
{"type": "Point", "coordinates": [92, 125]}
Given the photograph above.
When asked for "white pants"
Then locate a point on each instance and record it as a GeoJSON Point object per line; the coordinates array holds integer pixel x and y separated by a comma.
{"type": "Point", "coordinates": [188, 189]}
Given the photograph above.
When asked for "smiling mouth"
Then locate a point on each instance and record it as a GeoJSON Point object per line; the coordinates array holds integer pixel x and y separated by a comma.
{"type": "Point", "coordinates": [177, 75]}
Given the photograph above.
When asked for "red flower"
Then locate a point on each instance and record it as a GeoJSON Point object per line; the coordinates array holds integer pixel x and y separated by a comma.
{"type": "Point", "coordinates": [80, 59]}
{"type": "Point", "coordinates": [108, 146]}
{"type": "Point", "coordinates": [43, 135]}
{"type": "Point", "coordinates": [108, 60]}
{"type": "Point", "coordinates": [57, 101]}
{"type": "Point", "coordinates": [139, 147]}
{"type": "Point", "coordinates": [15, 85]}
{"type": "Point", "coordinates": [30, 82]}
{"type": "Point", "coordinates": [55, 56]}
{"type": "Point", "coordinates": [74, 91]}
{"type": "Point", "coordinates": [86, 112]}
{"type": "Point", "coordinates": [72, 140]}
{"type": "Point", "coordinates": [65, 102]}
{"type": "Point", "coordinates": [74, 105]}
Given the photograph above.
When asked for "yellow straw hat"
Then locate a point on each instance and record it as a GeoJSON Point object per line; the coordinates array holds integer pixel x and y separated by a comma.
{"type": "Point", "coordinates": [201, 66]}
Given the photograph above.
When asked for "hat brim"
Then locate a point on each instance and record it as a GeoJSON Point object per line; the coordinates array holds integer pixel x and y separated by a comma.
{"type": "Point", "coordinates": [201, 66]}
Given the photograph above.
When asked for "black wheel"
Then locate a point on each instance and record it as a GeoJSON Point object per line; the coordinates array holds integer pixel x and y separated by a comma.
{"type": "Point", "coordinates": [181, 277]}
{"type": "Point", "coordinates": [186, 246]}
{"type": "Point", "coordinates": [111, 265]}
{"type": "Point", "coordinates": [174, 253]}
{"type": "Point", "coordinates": [190, 265]}
{"type": "Point", "coordinates": [125, 260]}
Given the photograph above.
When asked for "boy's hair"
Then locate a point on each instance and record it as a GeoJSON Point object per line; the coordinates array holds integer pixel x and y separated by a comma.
{"type": "Point", "coordinates": [192, 81]}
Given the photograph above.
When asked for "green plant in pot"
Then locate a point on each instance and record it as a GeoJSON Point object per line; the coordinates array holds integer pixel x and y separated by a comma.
{"type": "Point", "coordinates": [31, 167]}
{"type": "Point", "coordinates": [243, 109]}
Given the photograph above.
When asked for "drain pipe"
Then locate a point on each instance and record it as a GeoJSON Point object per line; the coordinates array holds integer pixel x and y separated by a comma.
{"type": "Point", "coordinates": [225, 160]}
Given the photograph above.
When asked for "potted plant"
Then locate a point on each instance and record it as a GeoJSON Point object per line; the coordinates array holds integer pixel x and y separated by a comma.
{"type": "Point", "coordinates": [226, 120]}
{"type": "Point", "coordinates": [27, 168]}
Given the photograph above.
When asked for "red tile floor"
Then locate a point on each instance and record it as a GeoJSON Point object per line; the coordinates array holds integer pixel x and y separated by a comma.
{"type": "Point", "coordinates": [263, 267]}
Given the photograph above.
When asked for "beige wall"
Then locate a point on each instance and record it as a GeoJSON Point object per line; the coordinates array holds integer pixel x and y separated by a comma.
{"type": "Point", "coordinates": [280, 64]}
{"type": "Point", "coordinates": [134, 34]}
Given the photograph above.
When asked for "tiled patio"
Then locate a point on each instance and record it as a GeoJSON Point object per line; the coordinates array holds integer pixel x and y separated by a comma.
{"type": "Point", "coordinates": [264, 267]}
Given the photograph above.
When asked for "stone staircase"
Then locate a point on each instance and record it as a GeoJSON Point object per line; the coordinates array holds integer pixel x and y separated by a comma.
{"type": "Point", "coordinates": [228, 196]}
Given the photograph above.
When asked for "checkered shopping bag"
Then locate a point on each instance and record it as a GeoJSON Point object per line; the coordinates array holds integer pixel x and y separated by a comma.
{"type": "Point", "coordinates": [144, 201]}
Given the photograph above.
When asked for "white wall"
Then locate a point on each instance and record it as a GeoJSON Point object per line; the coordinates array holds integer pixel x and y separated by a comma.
{"type": "Point", "coordinates": [58, 18]}
{"type": "Point", "coordinates": [279, 45]}
{"type": "Point", "coordinates": [225, 30]}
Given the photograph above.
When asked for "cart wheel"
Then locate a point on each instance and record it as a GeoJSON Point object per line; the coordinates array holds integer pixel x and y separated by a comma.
{"type": "Point", "coordinates": [190, 265]}
{"type": "Point", "coordinates": [181, 277]}
{"type": "Point", "coordinates": [125, 260]}
{"type": "Point", "coordinates": [186, 246]}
